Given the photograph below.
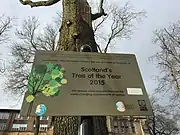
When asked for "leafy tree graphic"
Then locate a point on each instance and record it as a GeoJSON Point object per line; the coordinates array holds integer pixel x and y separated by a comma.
{"type": "Point", "coordinates": [46, 79]}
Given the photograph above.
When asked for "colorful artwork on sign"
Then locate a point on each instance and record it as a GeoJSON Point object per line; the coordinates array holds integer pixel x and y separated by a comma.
{"type": "Point", "coordinates": [46, 79]}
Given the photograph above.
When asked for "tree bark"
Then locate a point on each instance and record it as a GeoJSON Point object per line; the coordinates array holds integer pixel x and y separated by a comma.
{"type": "Point", "coordinates": [66, 125]}
{"type": "Point", "coordinates": [74, 33]}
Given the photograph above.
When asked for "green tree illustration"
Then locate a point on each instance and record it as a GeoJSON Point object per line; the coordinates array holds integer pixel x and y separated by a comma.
{"type": "Point", "coordinates": [46, 79]}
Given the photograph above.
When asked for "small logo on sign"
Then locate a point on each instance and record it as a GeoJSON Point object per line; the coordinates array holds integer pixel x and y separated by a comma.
{"type": "Point", "coordinates": [41, 110]}
{"type": "Point", "coordinates": [142, 105]}
{"type": "Point", "coordinates": [120, 106]}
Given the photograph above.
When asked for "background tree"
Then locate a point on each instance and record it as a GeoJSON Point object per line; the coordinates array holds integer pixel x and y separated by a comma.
{"type": "Point", "coordinates": [29, 40]}
{"type": "Point", "coordinates": [74, 32]}
{"type": "Point", "coordinates": [121, 21]}
{"type": "Point", "coordinates": [167, 60]}
{"type": "Point", "coordinates": [5, 26]}
{"type": "Point", "coordinates": [164, 121]}
{"type": "Point", "coordinates": [23, 51]}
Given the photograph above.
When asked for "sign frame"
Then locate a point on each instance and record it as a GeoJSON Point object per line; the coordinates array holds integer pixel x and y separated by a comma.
{"type": "Point", "coordinates": [90, 84]}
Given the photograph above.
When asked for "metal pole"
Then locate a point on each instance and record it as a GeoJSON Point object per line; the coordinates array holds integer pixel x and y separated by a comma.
{"type": "Point", "coordinates": [86, 121]}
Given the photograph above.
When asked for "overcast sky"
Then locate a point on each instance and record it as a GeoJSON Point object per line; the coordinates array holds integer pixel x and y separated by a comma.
{"type": "Point", "coordinates": [159, 14]}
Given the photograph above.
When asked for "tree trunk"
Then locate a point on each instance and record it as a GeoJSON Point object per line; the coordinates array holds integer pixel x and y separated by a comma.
{"type": "Point", "coordinates": [100, 127]}
{"type": "Point", "coordinates": [66, 125]}
{"type": "Point", "coordinates": [74, 33]}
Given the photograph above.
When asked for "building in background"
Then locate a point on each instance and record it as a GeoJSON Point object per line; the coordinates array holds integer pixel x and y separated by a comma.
{"type": "Point", "coordinates": [11, 123]}
{"type": "Point", "coordinates": [126, 126]}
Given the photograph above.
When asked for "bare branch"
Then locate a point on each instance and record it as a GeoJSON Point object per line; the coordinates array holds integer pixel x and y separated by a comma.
{"type": "Point", "coordinates": [101, 11]}
{"type": "Point", "coordinates": [39, 3]}
{"type": "Point", "coordinates": [167, 60]}
{"type": "Point", "coordinates": [99, 48]}
{"type": "Point", "coordinates": [96, 26]}
{"type": "Point", "coordinates": [114, 32]}
{"type": "Point", "coordinates": [29, 39]}
{"type": "Point", "coordinates": [171, 36]}
{"type": "Point", "coordinates": [121, 20]}
{"type": "Point", "coordinates": [5, 26]}
{"type": "Point", "coordinates": [163, 120]}
{"type": "Point", "coordinates": [17, 76]}
{"type": "Point", "coordinates": [28, 31]}
{"type": "Point", "coordinates": [48, 40]}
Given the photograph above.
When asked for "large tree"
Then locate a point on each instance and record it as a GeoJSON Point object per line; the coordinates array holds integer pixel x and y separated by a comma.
{"type": "Point", "coordinates": [75, 31]}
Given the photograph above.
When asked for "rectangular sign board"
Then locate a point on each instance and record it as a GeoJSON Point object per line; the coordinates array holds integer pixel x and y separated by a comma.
{"type": "Point", "coordinates": [85, 84]}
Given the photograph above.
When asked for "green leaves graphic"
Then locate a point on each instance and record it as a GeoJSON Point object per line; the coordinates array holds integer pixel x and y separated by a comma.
{"type": "Point", "coordinates": [46, 79]}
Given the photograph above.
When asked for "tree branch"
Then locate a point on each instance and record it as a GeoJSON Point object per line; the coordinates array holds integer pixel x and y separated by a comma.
{"type": "Point", "coordinates": [97, 26]}
{"type": "Point", "coordinates": [121, 20]}
{"type": "Point", "coordinates": [99, 48]}
{"type": "Point", "coordinates": [39, 3]}
{"type": "Point", "coordinates": [162, 122]}
{"type": "Point", "coordinates": [23, 51]}
{"type": "Point", "coordinates": [166, 62]}
{"type": "Point", "coordinates": [114, 31]}
{"type": "Point", "coordinates": [5, 26]}
{"type": "Point", "coordinates": [171, 36]}
{"type": "Point", "coordinates": [101, 12]}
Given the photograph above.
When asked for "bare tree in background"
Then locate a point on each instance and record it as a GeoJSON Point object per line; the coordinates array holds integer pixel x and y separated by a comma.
{"type": "Point", "coordinates": [164, 121]}
{"type": "Point", "coordinates": [23, 51]}
{"type": "Point", "coordinates": [29, 40]}
{"type": "Point", "coordinates": [121, 21]}
{"type": "Point", "coordinates": [79, 33]}
{"type": "Point", "coordinates": [167, 60]}
{"type": "Point", "coordinates": [5, 26]}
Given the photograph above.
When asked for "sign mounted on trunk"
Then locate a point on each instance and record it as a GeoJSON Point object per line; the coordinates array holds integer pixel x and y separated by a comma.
{"type": "Point", "coordinates": [85, 84]}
